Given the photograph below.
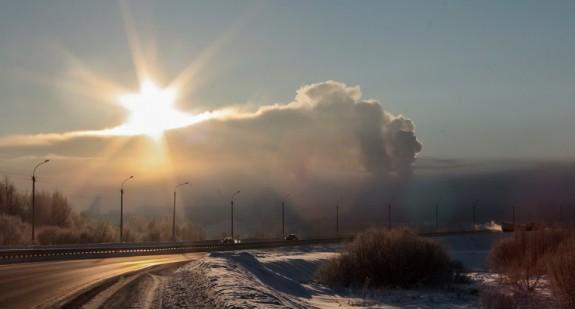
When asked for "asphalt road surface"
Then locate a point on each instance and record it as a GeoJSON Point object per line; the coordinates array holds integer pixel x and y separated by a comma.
{"type": "Point", "coordinates": [40, 284]}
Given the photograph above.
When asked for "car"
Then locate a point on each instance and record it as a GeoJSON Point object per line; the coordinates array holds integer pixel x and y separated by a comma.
{"type": "Point", "coordinates": [229, 241]}
{"type": "Point", "coordinates": [291, 237]}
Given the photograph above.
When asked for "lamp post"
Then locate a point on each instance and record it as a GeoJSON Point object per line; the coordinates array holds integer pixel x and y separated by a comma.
{"type": "Point", "coordinates": [437, 213]}
{"type": "Point", "coordinates": [474, 213]}
{"type": "Point", "coordinates": [283, 216]}
{"type": "Point", "coordinates": [337, 216]}
{"type": "Point", "coordinates": [232, 212]}
{"type": "Point", "coordinates": [389, 211]}
{"type": "Point", "coordinates": [514, 218]}
{"type": "Point", "coordinates": [436, 216]}
{"type": "Point", "coordinates": [389, 216]}
{"type": "Point", "coordinates": [174, 212]}
{"type": "Point", "coordinates": [34, 198]}
{"type": "Point", "coordinates": [122, 208]}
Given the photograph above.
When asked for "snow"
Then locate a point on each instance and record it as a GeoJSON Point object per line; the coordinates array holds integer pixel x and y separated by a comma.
{"type": "Point", "coordinates": [284, 278]}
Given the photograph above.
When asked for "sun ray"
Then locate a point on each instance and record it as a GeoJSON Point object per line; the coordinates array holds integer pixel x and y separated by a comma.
{"type": "Point", "coordinates": [142, 64]}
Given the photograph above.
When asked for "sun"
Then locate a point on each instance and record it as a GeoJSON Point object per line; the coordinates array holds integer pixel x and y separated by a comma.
{"type": "Point", "coordinates": [152, 111]}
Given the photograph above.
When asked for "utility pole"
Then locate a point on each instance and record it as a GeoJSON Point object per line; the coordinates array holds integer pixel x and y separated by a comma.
{"type": "Point", "coordinates": [34, 199]}
{"type": "Point", "coordinates": [174, 211]}
{"type": "Point", "coordinates": [337, 215]}
{"type": "Point", "coordinates": [474, 211]}
{"type": "Point", "coordinates": [337, 219]}
{"type": "Point", "coordinates": [514, 218]}
{"type": "Point", "coordinates": [232, 213]}
{"type": "Point", "coordinates": [560, 213]}
{"type": "Point", "coordinates": [283, 216]}
{"type": "Point", "coordinates": [436, 216]}
{"type": "Point", "coordinates": [122, 208]}
{"type": "Point", "coordinates": [389, 216]}
{"type": "Point", "coordinates": [283, 221]}
{"type": "Point", "coordinates": [174, 219]}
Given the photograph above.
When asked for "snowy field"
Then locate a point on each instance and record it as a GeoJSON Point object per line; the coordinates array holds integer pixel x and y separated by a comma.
{"type": "Point", "coordinates": [284, 278]}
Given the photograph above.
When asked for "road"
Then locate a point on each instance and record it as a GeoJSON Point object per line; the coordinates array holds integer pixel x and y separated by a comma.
{"type": "Point", "coordinates": [40, 284]}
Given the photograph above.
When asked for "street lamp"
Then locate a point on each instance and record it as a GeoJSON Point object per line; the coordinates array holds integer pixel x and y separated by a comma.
{"type": "Point", "coordinates": [34, 199]}
{"type": "Point", "coordinates": [122, 208]}
{"type": "Point", "coordinates": [232, 212]}
{"type": "Point", "coordinates": [337, 215]}
{"type": "Point", "coordinates": [437, 213]}
{"type": "Point", "coordinates": [174, 213]}
{"type": "Point", "coordinates": [283, 216]}
{"type": "Point", "coordinates": [474, 208]}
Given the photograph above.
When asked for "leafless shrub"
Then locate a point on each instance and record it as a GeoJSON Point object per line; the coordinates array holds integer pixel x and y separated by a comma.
{"type": "Point", "coordinates": [561, 271]}
{"type": "Point", "coordinates": [190, 232]}
{"type": "Point", "coordinates": [89, 233]}
{"type": "Point", "coordinates": [521, 258]}
{"type": "Point", "coordinates": [390, 258]}
{"type": "Point", "coordinates": [492, 298]}
{"type": "Point", "coordinates": [100, 232]}
{"type": "Point", "coordinates": [12, 230]}
{"type": "Point", "coordinates": [49, 235]}
{"type": "Point", "coordinates": [58, 223]}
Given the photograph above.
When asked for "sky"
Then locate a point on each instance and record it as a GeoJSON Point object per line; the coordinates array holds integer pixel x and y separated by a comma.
{"type": "Point", "coordinates": [468, 80]}
{"type": "Point", "coordinates": [481, 79]}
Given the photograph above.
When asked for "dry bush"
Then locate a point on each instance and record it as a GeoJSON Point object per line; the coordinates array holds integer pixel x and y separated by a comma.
{"type": "Point", "coordinates": [58, 223]}
{"type": "Point", "coordinates": [521, 258]}
{"type": "Point", "coordinates": [189, 232]}
{"type": "Point", "coordinates": [100, 232]}
{"type": "Point", "coordinates": [49, 235]}
{"type": "Point", "coordinates": [51, 208]}
{"type": "Point", "coordinates": [388, 258]}
{"type": "Point", "coordinates": [11, 202]}
{"type": "Point", "coordinates": [13, 230]}
{"type": "Point", "coordinates": [494, 298]}
{"type": "Point", "coordinates": [90, 233]}
{"type": "Point", "coordinates": [160, 229]}
{"type": "Point", "coordinates": [561, 273]}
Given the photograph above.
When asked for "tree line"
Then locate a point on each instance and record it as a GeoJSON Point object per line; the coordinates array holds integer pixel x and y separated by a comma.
{"type": "Point", "coordinates": [58, 223]}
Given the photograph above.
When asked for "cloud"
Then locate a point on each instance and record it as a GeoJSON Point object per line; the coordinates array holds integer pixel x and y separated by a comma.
{"type": "Point", "coordinates": [327, 141]}
{"type": "Point", "coordinates": [327, 125]}
{"type": "Point", "coordinates": [333, 112]}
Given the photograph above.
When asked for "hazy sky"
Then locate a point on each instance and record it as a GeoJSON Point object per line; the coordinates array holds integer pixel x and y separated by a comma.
{"type": "Point", "coordinates": [311, 98]}
{"type": "Point", "coordinates": [479, 78]}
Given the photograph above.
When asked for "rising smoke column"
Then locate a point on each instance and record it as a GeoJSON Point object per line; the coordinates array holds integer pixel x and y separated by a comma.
{"type": "Point", "coordinates": [388, 143]}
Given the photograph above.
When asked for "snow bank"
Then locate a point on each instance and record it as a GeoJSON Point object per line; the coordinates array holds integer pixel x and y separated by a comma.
{"type": "Point", "coordinates": [239, 280]}
{"type": "Point", "coordinates": [283, 278]}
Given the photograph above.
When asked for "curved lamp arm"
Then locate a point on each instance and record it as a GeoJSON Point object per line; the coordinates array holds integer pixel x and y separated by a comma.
{"type": "Point", "coordinates": [125, 180]}
{"type": "Point", "coordinates": [38, 165]}
{"type": "Point", "coordinates": [182, 184]}
{"type": "Point", "coordinates": [234, 195]}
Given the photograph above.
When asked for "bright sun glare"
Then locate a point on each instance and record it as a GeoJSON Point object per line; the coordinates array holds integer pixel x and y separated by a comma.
{"type": "Point", "coordinates": [152, 111]}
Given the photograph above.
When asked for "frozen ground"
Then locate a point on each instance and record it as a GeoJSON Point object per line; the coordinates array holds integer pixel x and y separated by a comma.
{"type": "Point", "coordinates": [283, 278]}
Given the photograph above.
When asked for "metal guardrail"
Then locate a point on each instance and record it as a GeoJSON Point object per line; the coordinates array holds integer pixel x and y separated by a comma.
{"type": "Point", "coordinates": [34, 254]}
{"type": "Point", "coordinates": [85, 251]}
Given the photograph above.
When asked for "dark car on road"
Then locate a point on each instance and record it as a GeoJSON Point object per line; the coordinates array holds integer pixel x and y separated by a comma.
{"type": "Point", "coordinates": [229, 241]}
{"type": "Point", "coordinates": [291, 237]}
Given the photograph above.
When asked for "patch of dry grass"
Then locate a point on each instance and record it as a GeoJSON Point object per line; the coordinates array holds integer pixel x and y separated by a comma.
{"type": "Point", "coordinates": [561, 273]}
{"type": "Point", "coordinates": [521, 259]}
{"type": "Point", "coordinates": [388, 258]}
